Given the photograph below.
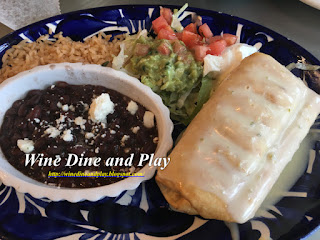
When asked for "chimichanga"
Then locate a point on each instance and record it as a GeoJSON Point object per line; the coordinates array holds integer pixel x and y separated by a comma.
{"type": "Point", "coordinates": [236, 147]}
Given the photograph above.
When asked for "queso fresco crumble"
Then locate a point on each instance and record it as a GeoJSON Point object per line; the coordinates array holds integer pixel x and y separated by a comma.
{"type": "Point", "coordinates": [86, 120]}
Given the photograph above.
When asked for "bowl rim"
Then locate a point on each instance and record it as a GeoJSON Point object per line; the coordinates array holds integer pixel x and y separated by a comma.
{"type": "Point", "coordinates": [41, 190]}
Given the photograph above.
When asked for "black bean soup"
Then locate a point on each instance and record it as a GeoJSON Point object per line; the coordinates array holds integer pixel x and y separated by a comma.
{"type": "Point", "coordinates": [61, 120]}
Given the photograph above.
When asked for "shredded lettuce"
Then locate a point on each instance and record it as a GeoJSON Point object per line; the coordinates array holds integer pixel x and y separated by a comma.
{"type": "Point", "coordinates": [126, 49]}
{"type": "Point", "coordinates": [176, 24]}
{"type": "Point", "coordinates": [192, 101]}
{"type": "Point", "coordinates": [203, 96]}
{"type": "Point", "coordinates": [182, 106]}
{"type": "Point", "coordinates": [183, 98]}
{"type": "Point", "coordinates": [302, 66]}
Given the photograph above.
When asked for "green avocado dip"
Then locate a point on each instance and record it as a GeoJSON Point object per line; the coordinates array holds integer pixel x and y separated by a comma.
{"type": "Point", "coordinates": [171, 71]}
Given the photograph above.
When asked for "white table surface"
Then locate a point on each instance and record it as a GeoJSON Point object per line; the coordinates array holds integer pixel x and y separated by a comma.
{"type": "Point", "coordinates": [291, 18]}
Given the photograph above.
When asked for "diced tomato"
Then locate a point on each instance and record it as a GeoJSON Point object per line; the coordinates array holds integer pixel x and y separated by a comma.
{"type": "Point", "coordinates": [167, 33]}
{"type": "Point", "coordinates": [167, 14]}
{"type": "Point", "coordinates": [200, 52]}
{"type": "Point", "coordinates": [178, 47]}
{"type": "Point", "coordinates": [217, 47]}
{"type": "Point", "coordinates": [179, 35]}
{"type": "Point", "coordinates": [192, 27]}
{"type": "Point", "coordinates": [164, 49]}
{"type": "Point", "coordinates": [205, 31]}
{"type": "Point", "coordinates": [141, 49]}
{"type": "Point", "coordinates": [191, 39]}
{"type": "Point", "coordinates": [159, 23]}
{"type": "Point", "coordinates": [229, 38]}
{"type": "Point", "coordinates": [214, 38]}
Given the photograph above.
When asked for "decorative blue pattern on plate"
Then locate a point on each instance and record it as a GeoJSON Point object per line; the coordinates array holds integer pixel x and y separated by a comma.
{"type": "Point", "coordinates": [143, 213]}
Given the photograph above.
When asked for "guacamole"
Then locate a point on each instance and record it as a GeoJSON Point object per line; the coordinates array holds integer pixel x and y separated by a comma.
{"type": "Point", "coordinates": [171, 71]}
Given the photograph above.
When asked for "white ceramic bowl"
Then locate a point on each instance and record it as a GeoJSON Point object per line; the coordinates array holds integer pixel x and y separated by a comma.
{"type": "Point", "coordinates": [78, 73]}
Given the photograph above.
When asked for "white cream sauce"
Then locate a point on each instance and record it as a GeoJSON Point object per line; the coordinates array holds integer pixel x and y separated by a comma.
{"type": "Point", "coordinates": [292, 172]}
{"type": "Point", "coordinates": [234, 230]}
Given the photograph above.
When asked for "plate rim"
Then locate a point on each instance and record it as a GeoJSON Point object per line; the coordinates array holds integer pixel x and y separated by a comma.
{"type": "Point", "coordinates": [5, 38]}
{"type": "Point", "coordinates": [10, 36]}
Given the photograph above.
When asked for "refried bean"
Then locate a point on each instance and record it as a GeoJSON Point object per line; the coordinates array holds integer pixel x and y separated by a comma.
{"type": "Point", "coordinates": [57, 122]}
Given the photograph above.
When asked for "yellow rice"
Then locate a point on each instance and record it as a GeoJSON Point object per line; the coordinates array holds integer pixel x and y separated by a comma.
{"type": "Point", "coordinates": [24, 56]}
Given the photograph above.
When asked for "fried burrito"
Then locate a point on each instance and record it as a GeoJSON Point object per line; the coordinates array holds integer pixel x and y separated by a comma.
{"type": "Point", "coordinates": [234, 150]}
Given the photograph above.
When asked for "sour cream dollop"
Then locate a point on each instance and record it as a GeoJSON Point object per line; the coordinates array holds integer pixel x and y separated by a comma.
{"type": "Point", "coordinates": [229, 59]}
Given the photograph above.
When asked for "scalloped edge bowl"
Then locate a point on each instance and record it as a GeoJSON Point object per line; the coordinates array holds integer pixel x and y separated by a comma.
{"type": "Point", "coordinates": [78, 73]}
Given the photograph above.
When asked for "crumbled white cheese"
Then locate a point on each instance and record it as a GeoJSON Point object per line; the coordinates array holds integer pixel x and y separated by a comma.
{"type": "Point", "coordinates": [65, 107]}
{"type": "Point", "coordinates": [100, 108]}
{"type": "Point", "coordinates": [85, 105]}
{"type": "Point", "coordinates": [61, 126]}
{"type": "Point", "coordinates": [67, 136]}
{"type": "Point", "coordinates": [37, 120]}
{"type": "Point", "coordinates": [59, 105]}
{"type": "Point", "coordinates": [53, 86]}
{"type": "Point", "coordinates": [52, 131]}
{"type": "Point", "coordinates": [97, 150]}
{"type": "Point", "coordinates": [132, 107]}
{"type": "Point", "coordinates": [89, 135]}
{"type": "Point", "coordinates": [80, 122]}
{"type": "Point", "coordinates": [148, 119]}
{"type": "Point", "coordinates": [135, 129]}
{"type": "Point", "coordinates": [61, 119]}
{"type": "Point", "coordinates": [72, 108]}
{"type": "Point", "coordinates": [103, 125]}
{"type": "Point", "coordinates": [125, 138]}
{"type": "Point", "coordinates": [112, 131]}
{"type": "Point", "coordinates": [25, 145]}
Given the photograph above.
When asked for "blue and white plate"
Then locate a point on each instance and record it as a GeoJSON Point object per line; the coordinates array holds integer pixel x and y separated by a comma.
{"type": "Point", "coordinates": [143, 213]}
